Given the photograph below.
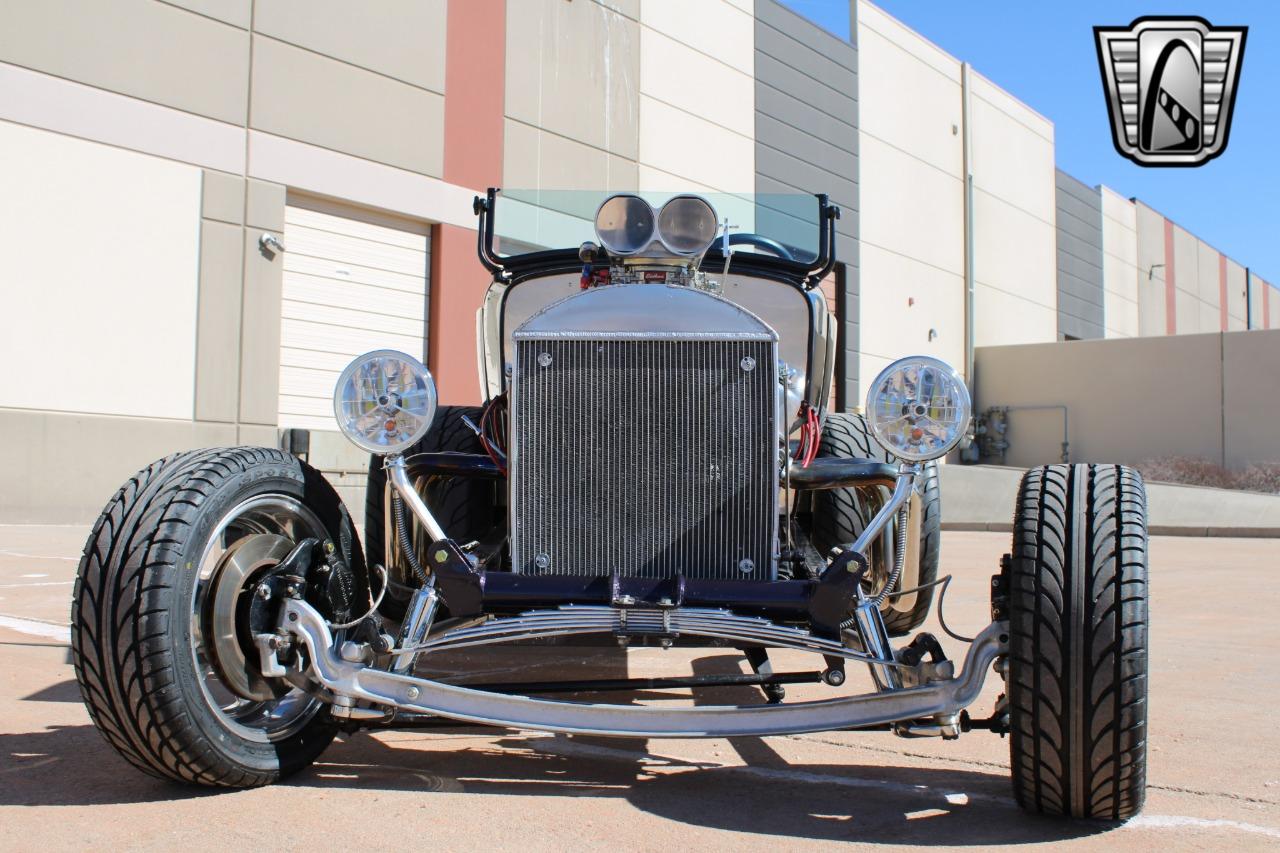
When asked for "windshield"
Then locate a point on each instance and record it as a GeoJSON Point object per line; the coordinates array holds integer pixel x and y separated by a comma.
{"type": "Point", "coordinates": [534, 220]}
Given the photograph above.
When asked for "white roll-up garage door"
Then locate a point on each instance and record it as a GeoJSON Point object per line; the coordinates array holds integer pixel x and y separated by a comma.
{"type": "Point", "coordinates": [353, 282]}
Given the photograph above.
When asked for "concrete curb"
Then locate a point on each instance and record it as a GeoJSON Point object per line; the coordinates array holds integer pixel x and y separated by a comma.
{"type": "Point", "coordinates": [981, 497]}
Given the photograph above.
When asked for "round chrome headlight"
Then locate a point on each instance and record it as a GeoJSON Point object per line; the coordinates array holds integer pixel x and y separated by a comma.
{"type": "Point", "coordinates": [624, 224]}
{"type": "Point", "coordinates": [384, 401]}
{"type": "Point", "coordinates": [687, 225]}
{"type": "Point", "coordinates": [918, 408]}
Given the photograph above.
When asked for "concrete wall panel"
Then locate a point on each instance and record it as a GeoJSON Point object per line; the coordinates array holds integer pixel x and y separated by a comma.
{"type": "Point", "coordinates": [238, 13]}
{"type": "Point", "coordinates": [836, 102]}
{"type": "Point", "coordinates": [107, 242]}
{"type": "Point", "coordinates": [1255, 301]}
{"type": "Point", "coordinates": [1208, 280]}
{"type": "Point", "coordinates": [404, 39]}
{"type": "Point", "coordinates": [910, 207]}
{"type": "Point", "coordinates": [1251, 397]}
{"type": "Point", "coordinates": [721, 158]}
{"type": "Point", "coordinates": [1187, 313]}
{"type": "Point", "coordinates": [927, 129]}
{"type": "Point", "coordinates": [1015, 253]}
{"type": "Point", "coordinates": [1186, 262]}
{"type": "Point", "coordinates": [41, 482]}
{"type": "Point", "coordinates": [260, 340]}
{"type": "Point", "coordinates": [217, 378]}
{"type": "Point", "coordinates": [791, 39]}
{"type": "Point", "coordinates": [1010, 159]}
{"type": "Point", "coordinates": [311, 98]}
{"type": "Point", "coordinates": [682, 77]}
{"type": "Point", "coordinates": [149, 50]}
{"type": "Point", "coordinates": [806, 135]}
{"type": "Point", "coordinates": [715, 28]}
{"type": "Point", "coordinates": [1124, 404]}
{"type": "Point", "coordinates": [1003, 318]}
{"type": "Point", "coordinates": [1119, 265]}
{"type": "Point", "coordinates": [574, 69]}
{"type": "Point", "coordinates": [536, 158]}
{"type": "Point", "coordinates": [222, 197]}
{"type": "Point", "coordinates": [51, 103]}
{"type": "Point", "coordinates": [1080, 267]}
{"type": "Point", "coordinates": [1236, 296]}
{"type": "Point", "coordinates": [1152, 313]}
{"type": "Point", "coordinates": [901, 300]}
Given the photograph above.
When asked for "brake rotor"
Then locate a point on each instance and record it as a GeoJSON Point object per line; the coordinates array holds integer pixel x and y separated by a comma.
{"type": "Point", "coordinates": [237, 573]}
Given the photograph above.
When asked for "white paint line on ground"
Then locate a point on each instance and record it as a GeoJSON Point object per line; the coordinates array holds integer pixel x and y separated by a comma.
{"type": "Point", "coordinates": [35, 628]}
{"type": "Point", "coordinates": [7, 553]}
{"type": "Point", "coordinates": [1160, 821]}
{"type": "Point", "coordinates": [39, 575]}
{"type": "Point", "coordinates": [41, 583]}
{"type": "Point", "coordinates": [38, 525]}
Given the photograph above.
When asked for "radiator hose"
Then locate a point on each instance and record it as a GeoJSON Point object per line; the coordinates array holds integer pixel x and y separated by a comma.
{"type": "Point", "coordinates": [899, 559]}
{"type": "Point", "coordinates": [402, 536]}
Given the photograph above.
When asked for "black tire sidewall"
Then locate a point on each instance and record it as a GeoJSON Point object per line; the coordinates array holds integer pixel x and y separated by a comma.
{"type": "Point", "coordinates": [285, 478]}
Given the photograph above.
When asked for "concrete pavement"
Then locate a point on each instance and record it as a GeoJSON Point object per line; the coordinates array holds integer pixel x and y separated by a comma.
{"type": "Point", "coordinates": [1214, 772]}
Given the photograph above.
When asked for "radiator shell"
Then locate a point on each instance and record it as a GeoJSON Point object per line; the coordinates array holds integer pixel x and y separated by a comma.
{"type": "Point", "coordinates": [650, 451]}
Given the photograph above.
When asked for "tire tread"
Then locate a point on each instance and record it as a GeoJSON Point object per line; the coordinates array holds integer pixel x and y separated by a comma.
{"type": "Point", "coordinates": [120, 651]}
{"type": "Point", "coordinates": [1078, 645]}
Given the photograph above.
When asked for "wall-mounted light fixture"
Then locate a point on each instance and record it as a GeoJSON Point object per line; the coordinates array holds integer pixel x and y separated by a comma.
{"type": "Point", "coordinates": [269, 242]}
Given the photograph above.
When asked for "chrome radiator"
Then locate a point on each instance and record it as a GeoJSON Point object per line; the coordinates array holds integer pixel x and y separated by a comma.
{"type": "Point", "coordinates": [648, 456]}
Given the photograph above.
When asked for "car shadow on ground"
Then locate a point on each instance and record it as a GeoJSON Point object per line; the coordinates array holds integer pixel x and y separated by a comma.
{"type": "Point", "coordinates": [764, 794]}
{"type": "Point", "coordinates": [837, 802]}
{"type": "Point", "coordinates": [72, 765]}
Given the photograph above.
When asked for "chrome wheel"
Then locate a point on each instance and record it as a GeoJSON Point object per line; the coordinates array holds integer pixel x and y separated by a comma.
{"type": "Point", "coordinates": [247, 542]}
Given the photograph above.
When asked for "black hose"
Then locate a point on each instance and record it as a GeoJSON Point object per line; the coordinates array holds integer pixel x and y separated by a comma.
{"type": "Point", "coordinates": [406, 544]}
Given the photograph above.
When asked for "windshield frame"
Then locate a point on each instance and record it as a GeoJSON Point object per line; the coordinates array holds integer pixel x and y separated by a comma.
{"type": "Point", "coordinates": [805, 274]}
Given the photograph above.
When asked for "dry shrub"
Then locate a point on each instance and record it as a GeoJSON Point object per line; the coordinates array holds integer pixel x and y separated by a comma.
{"type": "Point", "coordinates": [1260, 477]}
{"type": "Point", "coordinates": [1195, 471]}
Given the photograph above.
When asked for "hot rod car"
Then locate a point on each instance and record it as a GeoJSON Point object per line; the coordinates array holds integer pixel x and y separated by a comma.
{"type": "Point", "coordinates": [659, 462]}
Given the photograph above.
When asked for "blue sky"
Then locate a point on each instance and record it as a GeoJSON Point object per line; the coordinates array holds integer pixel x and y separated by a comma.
{"type": "Point", "coordinates": [1043, 53]}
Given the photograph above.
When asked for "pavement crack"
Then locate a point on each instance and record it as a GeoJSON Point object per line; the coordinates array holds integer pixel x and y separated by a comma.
{"type": "Point", "coordinates": [1222, 795]}
{"type": "Point", "coordinates": [970, 762]}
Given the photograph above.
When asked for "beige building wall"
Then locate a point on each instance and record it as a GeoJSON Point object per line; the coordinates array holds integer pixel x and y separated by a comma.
{"type": "Point", "coordinates": [1237, 297]}
{"type": "Point", "coordinates": [1251, 396]}
{"type": "Point", "coordinates": [1015, 264]}
{"type": "Point", "coordinates": [1152, 313]}
{"type": "Point", "coordinates": [697, 96]}
{"type": "Point", "coordinates": [1123, 402]}
{"type": "Point", "coordinates": [163, 137]}
{"type": "Point", "coordinates": [1119, 265]}
{"type": "Point", "coordinates": [1255, 286]}
{"type": "Point", "coordinates": [572, 111]}
{"type": "Point", "coordinates": [595, 102]}
{"type": "Point", "coordinates": [100, 269]}
{"type": "Point", "coordinates": [911, 216]}
{"type": "Point", "coordinates": [1135, 399]}
{"type": "Point", "coordinates": [912, 190]}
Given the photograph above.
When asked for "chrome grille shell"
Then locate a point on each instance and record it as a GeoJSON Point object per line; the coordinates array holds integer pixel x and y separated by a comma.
{"type": "Point", "coordinates": [645, 437]}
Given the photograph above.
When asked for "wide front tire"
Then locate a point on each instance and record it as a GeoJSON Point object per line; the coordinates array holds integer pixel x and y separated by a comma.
{"type": "Point", "coordinates": [145, 653]}
{"type": "Point", "coordinates": [840, 515]}
{"type": "Point", "coordinates": [1078, 642]}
